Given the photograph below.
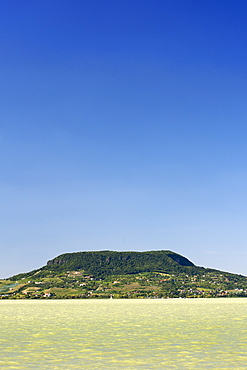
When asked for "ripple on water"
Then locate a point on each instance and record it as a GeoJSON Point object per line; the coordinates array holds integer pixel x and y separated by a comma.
{"type": "Point", "coordinates": [124, 334]}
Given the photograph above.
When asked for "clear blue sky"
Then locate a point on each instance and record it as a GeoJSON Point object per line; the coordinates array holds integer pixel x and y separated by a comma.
{"type": "Point", "coordinates": [123, 127]}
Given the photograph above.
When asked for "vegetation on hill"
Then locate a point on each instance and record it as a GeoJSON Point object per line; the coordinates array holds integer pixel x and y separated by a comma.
{"type": "Point", "coordinates": [105, 263]}
{"type": "Point", "coordinates": [106, 274]}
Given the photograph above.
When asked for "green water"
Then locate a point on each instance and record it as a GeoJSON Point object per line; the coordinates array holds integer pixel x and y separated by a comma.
{"type": "Point", "coordinates": [124, 334]}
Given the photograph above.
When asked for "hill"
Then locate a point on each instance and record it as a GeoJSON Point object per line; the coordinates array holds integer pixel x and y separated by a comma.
{"type": "Point", "coordinates": [105, 263]}
{"type": "Point", "coordinates": [104, 274]}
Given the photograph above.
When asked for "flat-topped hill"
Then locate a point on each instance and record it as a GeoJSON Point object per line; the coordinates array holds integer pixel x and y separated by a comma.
{"type": "Point", "coordinates": [104, 274]}
{"type": "Point", "coordinates": [118, 263]}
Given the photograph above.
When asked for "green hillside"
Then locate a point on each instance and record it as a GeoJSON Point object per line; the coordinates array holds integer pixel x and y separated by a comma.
{"type": "Point", "coordinates": [104, 274]}
{"type": "Point", "coordinates": [105, 263]}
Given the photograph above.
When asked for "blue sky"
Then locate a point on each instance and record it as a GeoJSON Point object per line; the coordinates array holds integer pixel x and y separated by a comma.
{"type": "Point", "coordinates": [123, 127]}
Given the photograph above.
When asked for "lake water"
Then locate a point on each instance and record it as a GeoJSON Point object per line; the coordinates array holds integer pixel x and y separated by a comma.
{"type": "Point", "coordinates": [124, 334]}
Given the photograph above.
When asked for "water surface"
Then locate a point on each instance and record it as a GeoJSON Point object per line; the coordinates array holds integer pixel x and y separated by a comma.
{"type": "Point", "coordinates": [124, 334]}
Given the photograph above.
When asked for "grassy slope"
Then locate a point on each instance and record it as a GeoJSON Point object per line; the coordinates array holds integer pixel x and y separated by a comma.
{"type": "Point", "coordinates": [122, 275]}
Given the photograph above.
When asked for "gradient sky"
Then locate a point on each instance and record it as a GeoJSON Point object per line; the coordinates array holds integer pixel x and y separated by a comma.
{"type": "Point", "coordinates": [123, 126]}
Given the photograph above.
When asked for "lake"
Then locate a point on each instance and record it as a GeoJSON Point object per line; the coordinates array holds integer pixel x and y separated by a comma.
{"type": "Point", "coordinates": [124, 334]}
